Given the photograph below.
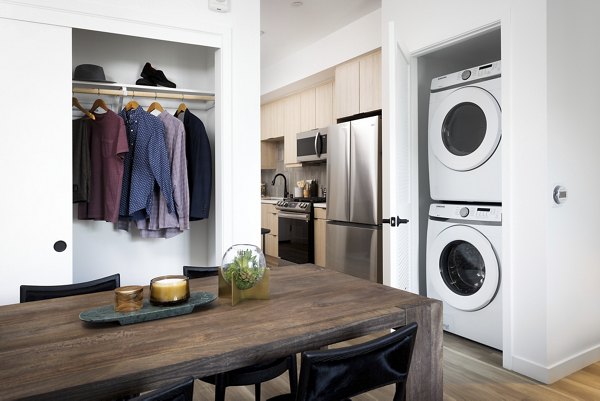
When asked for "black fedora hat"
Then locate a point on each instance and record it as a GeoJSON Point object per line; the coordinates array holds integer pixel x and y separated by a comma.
{"type": "Point", "coordinates": [90, 72]}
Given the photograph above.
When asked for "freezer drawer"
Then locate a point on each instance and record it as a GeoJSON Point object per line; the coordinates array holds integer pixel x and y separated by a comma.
{"type": "Point", "coordinates": [355, 250]}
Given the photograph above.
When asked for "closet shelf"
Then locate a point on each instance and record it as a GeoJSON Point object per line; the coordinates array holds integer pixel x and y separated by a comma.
{"type": "Point", "coordinates": [119, 89]}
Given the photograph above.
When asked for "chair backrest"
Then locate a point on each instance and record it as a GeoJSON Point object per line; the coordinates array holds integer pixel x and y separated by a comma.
{"type": "Point", "coordinates": [337, 374]}
{"type": "Point", "coordinates": [180, 391]}
{"type": "Point", "coordinates": [200, 271]}
{"type": "Point", "coordinates": [40, 292]}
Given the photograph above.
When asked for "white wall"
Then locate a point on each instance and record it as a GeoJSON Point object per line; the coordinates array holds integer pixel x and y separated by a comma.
{"type": "Point", "coordinates": [359, 37]}
{"type": "Point", "coordinates": [236, 34]}
{"type": "Point", "coordinates": [549, 256]}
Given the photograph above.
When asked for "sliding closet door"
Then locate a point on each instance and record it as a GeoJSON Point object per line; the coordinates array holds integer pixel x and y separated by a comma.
{"type": "Point", "coordinates": [35, 156]}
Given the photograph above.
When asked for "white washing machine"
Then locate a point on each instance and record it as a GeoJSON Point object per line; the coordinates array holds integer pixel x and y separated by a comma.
{"type": "Point", "coordinates": [463, 269]}
{"type": "Point", "coordinates": [464, 135]}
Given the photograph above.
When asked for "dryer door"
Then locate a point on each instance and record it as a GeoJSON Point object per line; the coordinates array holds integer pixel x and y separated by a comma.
{"type": "Point", "coordinates": [463, 268]}
{"type": "Point", "coordinates": [465, 129]}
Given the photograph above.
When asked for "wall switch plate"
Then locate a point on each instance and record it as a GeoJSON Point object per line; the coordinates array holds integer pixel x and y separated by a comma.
{"type": "Point", "coordinates": [221, 6]}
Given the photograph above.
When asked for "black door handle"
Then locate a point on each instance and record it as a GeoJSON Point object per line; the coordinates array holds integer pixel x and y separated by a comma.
{"type": "Point", "coordinates": [392, 221]}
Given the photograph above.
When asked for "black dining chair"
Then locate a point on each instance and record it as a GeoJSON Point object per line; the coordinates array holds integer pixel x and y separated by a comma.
{"type": "Point", "coordinates": [340, 373]}
{"type": "Point", "coordinates": [180, 391]}
{"type": "Point", "coordinates": [39, 292]}
{"type": "Point", "coordinates": [200, 271]}
{"type": "Point", "coordinates": [248, 375]}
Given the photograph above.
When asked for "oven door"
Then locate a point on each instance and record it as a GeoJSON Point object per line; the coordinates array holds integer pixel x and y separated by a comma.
{"type": "Point", "coordinates": [296, 237]}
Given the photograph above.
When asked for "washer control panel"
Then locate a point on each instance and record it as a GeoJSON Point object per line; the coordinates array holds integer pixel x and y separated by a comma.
{"type": "Point", "coordinates": [466, 212]}
{"type": "Point", "coordinates": [482, 72]}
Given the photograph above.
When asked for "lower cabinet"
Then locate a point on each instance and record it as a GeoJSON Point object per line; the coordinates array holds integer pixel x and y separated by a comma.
{"type": "Point", "coordinates": [268, 219]}
{"type": "Point", "coordinates": [320, 223]}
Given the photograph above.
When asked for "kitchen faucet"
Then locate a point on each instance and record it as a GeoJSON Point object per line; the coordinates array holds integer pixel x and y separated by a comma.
{"type": "Point", "coordinates": [285, 190]}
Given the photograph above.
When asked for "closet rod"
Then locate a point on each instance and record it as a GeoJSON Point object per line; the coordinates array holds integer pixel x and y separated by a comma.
{"type": "Point", "coordinates": [156, 95]}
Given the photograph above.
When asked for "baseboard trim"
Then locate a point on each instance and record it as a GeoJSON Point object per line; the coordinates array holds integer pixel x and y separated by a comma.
{"type": "Point", "coordinates": [550, 374]}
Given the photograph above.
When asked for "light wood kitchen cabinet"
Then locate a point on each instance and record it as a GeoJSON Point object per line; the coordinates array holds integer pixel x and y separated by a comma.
{"type": "Point", "coordinates": [272, 120]}
{"type": "Point", "coordinates": [307, 110]}
{"type": "Point", "coordinates": [370, 82]}
{"type": "Point", "coordinates": [324, 105]}
{"type": "Point", "coordinates": [284, 118]}
{"type": "Point", "coordinates": [269, 219]}
{"type": "Point", "coordinates": [358, 85]}
{"type": "Point", "coordinates": [347, 88]}
{"type": "Point", "coordinates": [268, 155]}
{"type": "Point", "coordinates": [320, 223]}
{"type": "Point", "coordinates": [291, 116]}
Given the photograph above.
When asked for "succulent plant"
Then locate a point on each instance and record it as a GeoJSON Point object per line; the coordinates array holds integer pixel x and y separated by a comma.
{"type": "Point", "coordinates": [247, 269]}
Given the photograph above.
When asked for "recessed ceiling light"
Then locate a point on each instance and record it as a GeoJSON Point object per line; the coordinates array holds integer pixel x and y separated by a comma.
{"type": "Point", "coordinates": [297, 4]}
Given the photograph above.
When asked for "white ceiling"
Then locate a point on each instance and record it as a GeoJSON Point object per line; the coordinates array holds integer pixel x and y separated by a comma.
{"type": "Point", "coordinates": [287, 29]}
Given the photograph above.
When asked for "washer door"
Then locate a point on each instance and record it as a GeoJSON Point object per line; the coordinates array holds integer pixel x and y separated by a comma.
{"type": "Point", "coordinates": [465, 129]}
{"type": "Point", "coordinates": [463, 268]}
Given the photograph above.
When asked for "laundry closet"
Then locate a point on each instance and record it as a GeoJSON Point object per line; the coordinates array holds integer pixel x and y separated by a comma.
{"type": "Point", "coordinates": [476, 50]}
{"type": "Point", "coordinates": [99, 248]}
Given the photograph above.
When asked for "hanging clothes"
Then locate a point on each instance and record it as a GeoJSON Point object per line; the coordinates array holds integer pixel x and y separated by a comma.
{"type": "Point", "coordinates": [108, 145]}
{"type": "Point", "coordinates": [82, 168]}
{"type": "Point", "coordinates": [161, 223]}
{"type": "Point", "coordinates": [199, 162]}
{"type": "Point", "coordinates": [146, 165]}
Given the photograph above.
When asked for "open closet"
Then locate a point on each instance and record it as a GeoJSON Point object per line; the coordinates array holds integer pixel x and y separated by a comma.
{"type": "Point", "coordinates": [99, 248]}
{"type": "Point", "coordinates": [483, 47]}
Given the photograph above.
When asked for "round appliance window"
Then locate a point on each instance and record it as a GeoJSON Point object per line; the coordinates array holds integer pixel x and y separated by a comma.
{"type": "Point", "coordinates": [463, 129]}
{"type": "Point", "coordinates": [462, 268]}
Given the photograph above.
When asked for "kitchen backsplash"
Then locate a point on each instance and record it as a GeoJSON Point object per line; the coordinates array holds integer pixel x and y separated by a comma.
{"type": "Point", "coordinates": [306, 172]}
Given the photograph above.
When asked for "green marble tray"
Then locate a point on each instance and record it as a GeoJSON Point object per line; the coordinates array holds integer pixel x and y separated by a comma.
{"type": "Point", "coordinates": [148, 312]}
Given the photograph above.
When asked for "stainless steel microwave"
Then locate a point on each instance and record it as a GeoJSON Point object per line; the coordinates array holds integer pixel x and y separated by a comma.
{"type": "Point", "coordinates": [311, 146]}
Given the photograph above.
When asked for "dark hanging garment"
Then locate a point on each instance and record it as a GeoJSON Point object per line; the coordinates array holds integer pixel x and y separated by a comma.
{"type": "Point", "coordinates": [108, 145]}
{"type": "Point", "coordinates": [146, 165]}
{"type": "Point", "coordinates": [199, 164]}
{"type": "Point", "coordinates": [82, 169]}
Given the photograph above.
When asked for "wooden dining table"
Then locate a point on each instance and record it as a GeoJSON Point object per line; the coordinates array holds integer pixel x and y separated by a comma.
{"type": "Point", "coordinates": [48, 352]}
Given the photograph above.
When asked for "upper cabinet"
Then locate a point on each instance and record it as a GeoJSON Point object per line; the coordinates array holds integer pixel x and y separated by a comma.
{"type": "Point", "coordinates": [271, 120]}
{"type": "Point", "coordinates": [284, 118]}
{"type": "Point", "coordinates": [307, 110]}
{"type": "Point", "coordinates": [324, 105]}
{"type": "Point", "coordinates": [358, 85]}
{"type": "Point", "coordinates": [291, 115]}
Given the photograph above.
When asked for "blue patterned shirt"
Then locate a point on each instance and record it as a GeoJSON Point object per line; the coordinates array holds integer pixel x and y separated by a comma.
{"type": "Point", "coordinates": [145, 165]}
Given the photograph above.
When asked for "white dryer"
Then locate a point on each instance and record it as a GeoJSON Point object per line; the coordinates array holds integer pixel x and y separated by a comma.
{"type": "Point", "coordinates": [464, 270]}
{"type": "Point", "coordinates": [464, 135]}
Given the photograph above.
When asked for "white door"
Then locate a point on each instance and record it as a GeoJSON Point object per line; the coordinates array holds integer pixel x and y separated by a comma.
{"type": "Point", "coordinates": [400, 269]}
{"type": "Point", "coordinates": [465, 128]}
{"type": "Point", "coordinates": [35, 156]}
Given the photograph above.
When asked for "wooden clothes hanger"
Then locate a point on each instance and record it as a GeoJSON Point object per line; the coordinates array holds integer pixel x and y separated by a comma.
{"type": "Point", "coordinates": [182, 107]}
{"type": "Point", "coordinates": [132, 104]}
{"type": "Point", "coordinates": [155, 106]}
{"type": "Point", "coordinates": [84, 111]}
{"type": "Point", "coordinates": [99, 103]}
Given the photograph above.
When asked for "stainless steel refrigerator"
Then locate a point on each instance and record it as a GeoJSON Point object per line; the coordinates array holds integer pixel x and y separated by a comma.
{"type": "Point", "coordinates": [354, 198]}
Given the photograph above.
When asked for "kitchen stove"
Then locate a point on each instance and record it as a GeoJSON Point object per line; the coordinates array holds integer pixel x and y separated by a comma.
{"type": "Point", "coordinates": [296, 229]}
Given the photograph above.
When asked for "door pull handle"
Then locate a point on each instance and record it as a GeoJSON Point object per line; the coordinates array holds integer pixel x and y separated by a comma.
{"type": "Point", "coordinates": [394, 220]}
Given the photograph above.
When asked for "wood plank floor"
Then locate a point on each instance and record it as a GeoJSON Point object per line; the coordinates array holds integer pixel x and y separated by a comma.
{"type": "Point", "coordinates": [471, 372]}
